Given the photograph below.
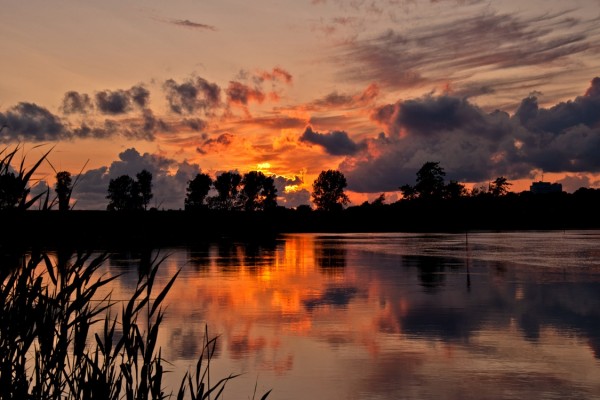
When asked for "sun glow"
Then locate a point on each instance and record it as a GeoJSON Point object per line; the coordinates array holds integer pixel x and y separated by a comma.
{"type": "Point", "coordinates": [291, 189]}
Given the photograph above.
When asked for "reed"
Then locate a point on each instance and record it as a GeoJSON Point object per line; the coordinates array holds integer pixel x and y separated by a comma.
{"type": "Point", "coordinates": [48, 348]}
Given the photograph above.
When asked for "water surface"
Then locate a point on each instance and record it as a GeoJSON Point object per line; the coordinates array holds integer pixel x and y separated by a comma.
{"type": "Point", "coordinates": [388, 316]}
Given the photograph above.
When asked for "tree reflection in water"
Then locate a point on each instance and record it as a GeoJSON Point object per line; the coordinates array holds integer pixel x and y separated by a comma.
{"type": "Point", "coordinates": [330, 256]}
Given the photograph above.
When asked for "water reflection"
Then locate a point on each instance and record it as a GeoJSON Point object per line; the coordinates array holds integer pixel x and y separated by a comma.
{"type": "Point", "coordinates": [330, 256]}
{"type": "Point", "coordinates": [392, 316]}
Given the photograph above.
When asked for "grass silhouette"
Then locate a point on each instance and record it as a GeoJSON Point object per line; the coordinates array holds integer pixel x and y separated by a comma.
{"type": "Point", "coordinates": [49, 311]}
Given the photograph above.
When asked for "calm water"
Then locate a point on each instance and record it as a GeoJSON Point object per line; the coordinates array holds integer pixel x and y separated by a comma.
{"type": "Point", "coordinates": [389, 316]}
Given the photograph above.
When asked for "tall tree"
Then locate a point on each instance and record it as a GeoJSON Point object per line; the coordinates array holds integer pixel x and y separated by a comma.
{"type": "Point", "coordinates": [258, 192]}
{"type": "Point", "coordinates": [228, 188]}
{"type": "Point", "coordinates": [197, 191]}
{"type": "Point", "coordinates": [408, 192]}
{"type": "Point", "coordinates": [499, 187]}
{"type": "Point", "coordinates": [123, 194]}
{"type": "Point", "coordinates": [63, 188]}
{"type": "Point", "coordinates": [454, 190]}
{"type": "Point", "coordinates": [269, 194]}
{"type": "Point", "coordinates": [328, 191]}
{"type": "Point", "coordinates": [144, 186]}
{"type": "Point", "coordinates": [430, 181]}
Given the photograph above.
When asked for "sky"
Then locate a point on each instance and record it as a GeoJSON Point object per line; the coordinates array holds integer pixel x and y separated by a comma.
{"type": "Point", "coordinates": [373, 88]}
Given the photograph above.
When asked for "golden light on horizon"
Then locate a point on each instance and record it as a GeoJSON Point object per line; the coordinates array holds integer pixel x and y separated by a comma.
{"type": "Point", "coordinates": [291, 188]}
{"type": "Point", "coordinates": [263, 167]}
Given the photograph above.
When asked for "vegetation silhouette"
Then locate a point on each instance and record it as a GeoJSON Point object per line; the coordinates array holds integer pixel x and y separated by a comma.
{"type": "Point", "coordinates": [328, 191]}
{"type": "Point", "coordinates": [258, 192]}
{"type": "Point", "coordinates": [15, 184]}
{"type": "Point", "coordinates": [127, 194]}
{"type": "Point", "coordinates": [197, 191]}
{"type": "Point", "coordinates": [228, 186]}
{"type": "Point", "coordinates": [48, 316]}
{"type": "Point", "coordinates": [63, 188]}
{"type": "Point", "coordinates": [244, 207]}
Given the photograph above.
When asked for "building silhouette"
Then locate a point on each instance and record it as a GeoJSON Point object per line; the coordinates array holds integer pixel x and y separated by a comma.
{"type": "Point", "coordinates": [541, 187]}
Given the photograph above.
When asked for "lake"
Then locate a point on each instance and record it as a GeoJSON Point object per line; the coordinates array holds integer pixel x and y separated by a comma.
{"type": "Point", "coordinates": [507, 315]}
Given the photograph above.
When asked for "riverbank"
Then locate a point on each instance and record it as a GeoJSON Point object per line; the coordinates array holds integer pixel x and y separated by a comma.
{"type": "Point", "coordinates": [160, 228]}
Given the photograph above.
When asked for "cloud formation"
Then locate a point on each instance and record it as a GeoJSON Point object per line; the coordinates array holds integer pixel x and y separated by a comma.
{"type": "Point", "coordinates": [341, 101]}
{"type": "Point", "coordinates": [30, 122]}
{"type": "Point", "coordinates": [121, 101]}
{"type": "Point", "coordinates": [168, 189]}
{"type": "Point", "coordinates": [241, 94]}
{"type": "Point", "coordinates": [473, 145]}
{"type": "Point", "coordinates": [221, 142]}
{"type": "Point", "coordinates": [192, 95]}
{"type": "Point", "coordinates": [458, 49]}
{"type": "Point", "coordinates": [108, 102]}
{"type": "Point", "coordinates": [336, 143]}
{"type": "Point", "coordinates": [76, 103]}
{"type": "Point", "coordinates": [193, 25]}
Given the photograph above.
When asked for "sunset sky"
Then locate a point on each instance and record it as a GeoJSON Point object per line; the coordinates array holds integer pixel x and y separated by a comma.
{"type": "Point", "coordinates": [374, 88]}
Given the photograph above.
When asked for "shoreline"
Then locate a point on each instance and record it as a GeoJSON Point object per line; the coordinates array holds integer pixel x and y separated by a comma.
{"type": "Point", "coordinates": [92, 229]}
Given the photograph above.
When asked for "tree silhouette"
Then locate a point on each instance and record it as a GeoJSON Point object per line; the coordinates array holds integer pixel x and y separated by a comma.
{"type": "Point", "coordinates": [124, 194]}
{"type": "Point", "coordinates": [408, 192]}
{"type": "Point", "coordinates": [258, 192]}
{"type": "Point", "coordinates": [63, 188]}
{"type": "Point", "coordinates": [144, 185]}
{"type": "Point", "coordinates": [197, 191]}
{"type": "Point", "coordinates": [379, 201]}
{"type": "Point", "coordinates": [499, 187]}
{"type": "Point", "coordinates": [328, 191]}
{"type": "Point", "coordinates": [454, 190]}
{"type": "Point", "coordinates": [228, 188]}
{"type": "Point", "coordinates": [430, 181]}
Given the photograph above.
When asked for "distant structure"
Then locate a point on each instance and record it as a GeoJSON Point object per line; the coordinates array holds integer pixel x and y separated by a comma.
{"type": "Point", "coordinates": [541, 187]}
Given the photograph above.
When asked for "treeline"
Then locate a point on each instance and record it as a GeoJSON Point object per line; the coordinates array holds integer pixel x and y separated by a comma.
{"type": "Point", "coordinates": [246, 205]}
{"type": "Point", "coordinates": [229, 191]}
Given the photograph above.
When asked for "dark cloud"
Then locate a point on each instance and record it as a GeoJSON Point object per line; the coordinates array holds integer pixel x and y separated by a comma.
{"type": "Point", "coordinates": [336, 143]}
{"type": "Point", "coordinates": [571, 183]}
{"type": "Point", "coordinates": [454, 50]}
{"type": "Point", "coordinates": [275, 122]}
{"type": "Point", "coordinates": [145, 128]}
{"type": "Point", "coordinates": [276, 74]}
{"type": "Point", "coordinates": [108, 129]}
{"type": "Point", "coordinates": [222, 141]}
{"type": "Point", "coordinates": [194, 25]}
{"type": "Point", "coordinates": [428, 115]}
{"type": "Point", "coordinates": [473, 145]}
{"type": "Point", "coordinates": [339, 101]}
{"type": "Point", "coordinates": [239, 93]}
{"type": "Point", "coordinates": [168, 189]}
{"type": "Point", "coordinates": [583, 110]}
{"type": "Point", "coordinates": [139, 95]}
{"type": "Point", "coordinates": [121, 101]}
{"type": "Point", "coordinates": [30, 122]}
{"type": "Point", "coordinates": [76, 103]}
{"type": "Point", "coordinates": [192, 95]}
{"type": "Point", "coordinates": [195, 124]}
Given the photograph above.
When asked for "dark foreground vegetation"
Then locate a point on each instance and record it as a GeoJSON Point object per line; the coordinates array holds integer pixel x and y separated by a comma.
{"type": "Point", "coordinates": [60, 340]}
